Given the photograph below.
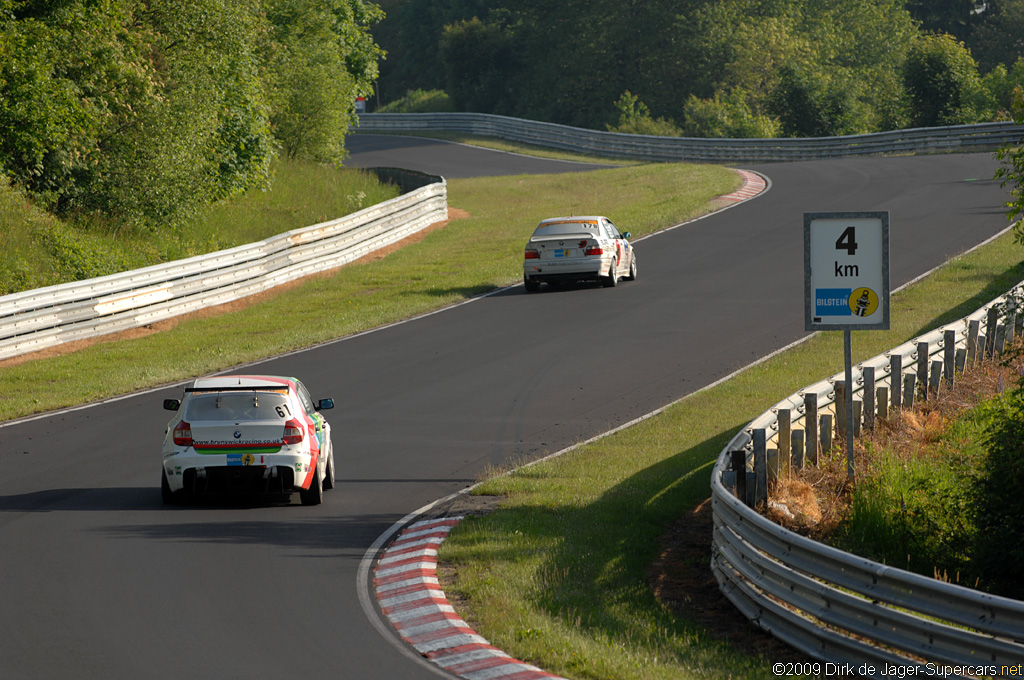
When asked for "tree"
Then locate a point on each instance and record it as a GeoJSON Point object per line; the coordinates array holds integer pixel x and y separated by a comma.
{"type": "Point", "coordinates": [998, 36]}
{"type": "Point", "coordinates": [941, 79]}
{"type": "Point", "coordinates": [479, 61]}
{"type": "Point", "coordinates": [1011, 171]}
{"type": "Point", "coordinates": [806, 106]}
{"type": "Point", "coordinates": [321, 58]}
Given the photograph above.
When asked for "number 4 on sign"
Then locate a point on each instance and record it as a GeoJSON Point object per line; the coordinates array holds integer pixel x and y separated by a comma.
{"type": "Point", "coordinates": [848, 241]}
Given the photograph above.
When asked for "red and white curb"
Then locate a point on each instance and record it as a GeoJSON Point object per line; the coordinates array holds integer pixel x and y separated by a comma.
{"type": "Point", "coordinates": [753, 184]}
{"type": "Point", "coordinates": [405, 582]}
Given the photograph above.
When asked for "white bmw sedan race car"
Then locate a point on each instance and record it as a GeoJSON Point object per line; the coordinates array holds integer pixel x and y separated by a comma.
{"type": "Point", "coordinates": [566, 249]}
{"type": "Point", "coordinates": [247, 433]}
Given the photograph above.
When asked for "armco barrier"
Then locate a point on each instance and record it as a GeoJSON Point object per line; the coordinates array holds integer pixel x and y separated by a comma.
{"type": "Point", "coordinates": [46, 317]}
{"type": "Point", "coordinates": [833, 605]}
{"type": "Point", "coordinates": [981, 137]}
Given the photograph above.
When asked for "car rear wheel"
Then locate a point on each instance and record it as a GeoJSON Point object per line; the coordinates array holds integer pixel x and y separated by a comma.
{"type": "Point", "coordinates": [314, 495]}
{"type": "Point", "coordinates": [613, 275]}
{"type": "Point", "coordinates": [531, 285]}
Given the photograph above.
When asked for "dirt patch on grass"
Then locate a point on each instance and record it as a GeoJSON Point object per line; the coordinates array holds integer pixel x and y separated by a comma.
{"type": "Point", "coordinates": [228, 307]}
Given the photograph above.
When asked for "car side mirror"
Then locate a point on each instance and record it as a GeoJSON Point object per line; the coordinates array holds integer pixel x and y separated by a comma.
{"type": "Point", "coordinates": [325, 404]}
{"type": "Point", "coordinates": [626, 234]}
{"type": "Point", "coordinates": [172, 404]}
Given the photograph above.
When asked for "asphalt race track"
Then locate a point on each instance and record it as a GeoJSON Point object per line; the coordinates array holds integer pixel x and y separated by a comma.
{"type": "Point", "coordinates": [98, 579]}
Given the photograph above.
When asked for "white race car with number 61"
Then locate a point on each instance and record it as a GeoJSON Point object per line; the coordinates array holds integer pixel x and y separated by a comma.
{"type": "Point", "coordinates": [247, 433]}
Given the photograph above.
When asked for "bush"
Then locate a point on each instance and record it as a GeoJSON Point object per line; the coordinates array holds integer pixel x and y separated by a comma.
{"type": "Point", "coordinates": [635, 118]}
{"type": "Point", "coordinates": [727, 116]}
{"type": "Point", "coordinates": [999, 552]}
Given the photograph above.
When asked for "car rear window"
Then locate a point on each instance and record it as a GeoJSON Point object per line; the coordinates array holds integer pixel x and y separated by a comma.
{"type": "Point", "coordinates": [238, 406]}
{"type": "Point", "coordinates": [560, 228]}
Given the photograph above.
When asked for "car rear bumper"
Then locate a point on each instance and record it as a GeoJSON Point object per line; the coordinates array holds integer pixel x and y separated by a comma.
{"type": "Point", "coordinates": [566, 270]}
{"type": "Point", "coordinates": [258, 473]}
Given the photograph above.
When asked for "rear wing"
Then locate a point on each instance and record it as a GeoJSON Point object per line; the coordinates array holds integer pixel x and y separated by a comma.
{"type": "Point", "coordinates": [574, 235]}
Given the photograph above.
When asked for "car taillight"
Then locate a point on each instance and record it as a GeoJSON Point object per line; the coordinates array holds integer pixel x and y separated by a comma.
{"type": "Point", "coordinates": [531, 255]}
{"type": "Point", "coordinates": [293, 432]}
{"type": "Point", "coordinates": [594, 250]}
{"type": "Point", "coordinates": [183, 434]}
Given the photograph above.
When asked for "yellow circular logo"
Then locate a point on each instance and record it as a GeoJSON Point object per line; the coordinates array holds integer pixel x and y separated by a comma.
{"type": "Point", "coordinates": [248, 459]}
{"type": "Point", "coordinates": [863, 302]}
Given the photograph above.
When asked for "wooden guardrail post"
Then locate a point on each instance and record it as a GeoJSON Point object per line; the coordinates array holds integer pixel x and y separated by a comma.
{"type": "Point", "coordinates": [811, 427]}
{"type": "Point", "coordinates": [798, 449]}
{"type": "Point", "coordinates": [990, 331]}
{"type": "Point", "coordinates": [949, 357]}
{"type": "Point", "coordinates": [882, 400]}
{"type": "Point", "coordinates": [922, 368]}
{"type": "Point", "coordinates": [909, 385]}
{"type": "Point", "coordinates": [826, 436]}
{"type": "Point", "coordinates": [785, 417]}
{"type": "Point", "coordinates": [760, 466]}
{"type": "Point", "coordinates": [739, 466]}
{"type": "Point", "coordinates": [896, 380]}
{"type": "Point", "coordinates": [973, 329]}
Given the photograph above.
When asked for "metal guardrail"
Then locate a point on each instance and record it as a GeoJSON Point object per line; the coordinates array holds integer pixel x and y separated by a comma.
{"type": "Point", "coordinates": [46, 317]}
{"type": "Point", "coordinates": [986, 136]}
{"type": "Point", "coordinates": [836, 606]}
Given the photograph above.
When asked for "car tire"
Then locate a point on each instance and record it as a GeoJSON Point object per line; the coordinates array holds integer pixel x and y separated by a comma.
{"type": "Point", "coordinates": [329, 477]}
{"type": "Point", "coordinates": [613, 275]}
{"type": "Point", "coordinates": [169, 497]}
{"type": "Point", "coordinates": [314, 495]}
{"type": "Point", "coordinates": [531, 285]}
{"type": "Point", "coordinates": [632, 270]}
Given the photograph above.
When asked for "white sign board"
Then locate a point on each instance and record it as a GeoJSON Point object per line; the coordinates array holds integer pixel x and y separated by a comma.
{"type": "Point", "coordinates": [846, 271]}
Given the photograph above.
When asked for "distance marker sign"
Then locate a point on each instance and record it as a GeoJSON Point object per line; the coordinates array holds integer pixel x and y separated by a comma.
{"type": "Point", "coordinates": [846, 271]}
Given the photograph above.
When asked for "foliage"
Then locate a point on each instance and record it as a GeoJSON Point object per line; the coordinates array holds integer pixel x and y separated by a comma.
{"type": "Point", "coordinates": [142, 110]}
{"type": "Point", "coordinates": [808, 106]}
{"type": "Point", "coordinates": [1011, 170]}
{"type": "Point", "coordinates": [941, 78]}
{"type": "Point", "coordinates": [635, 118]}
{"type": "Point", "coordinates": [727, 116]}
{"type": "Point", "coordinates": [1000, 504]}
{"type": "Point", "coordinates": [420, 101]}
{"type": "Point", "coordinates": [916, 513]}
{"type": "Point", "coordinates": [478, 59]}
{"type": "Point", "coordinates": [322, 57]}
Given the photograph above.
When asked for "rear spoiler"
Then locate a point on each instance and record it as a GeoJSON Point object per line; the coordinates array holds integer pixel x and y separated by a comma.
{"type": "Point", "coordinates": [239, 388]}
{"type": "Point", "coordinates": [577, 236]}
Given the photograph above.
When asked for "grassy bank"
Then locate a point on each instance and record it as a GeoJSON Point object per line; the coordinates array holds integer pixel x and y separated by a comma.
{"type": "Point", "coordinates": [557, 576]}
{"type": "Point", "coordinates": [468, 257]}
{"type": "Point", "coordinates": [37, 249]}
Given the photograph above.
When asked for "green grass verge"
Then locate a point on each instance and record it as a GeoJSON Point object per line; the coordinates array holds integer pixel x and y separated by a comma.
{"type": "Point", "coordinates": [557, 574]}
{"type": "Point", "coordinates": [470, 256]}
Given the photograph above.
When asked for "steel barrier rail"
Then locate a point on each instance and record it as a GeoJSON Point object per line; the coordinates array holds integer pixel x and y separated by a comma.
{"type": "Point", "coordinates": [46, 317]}
{"type": "Point", "coordinates": [842, 608]}
{"type": "Point", "coordinates": [984, 136]}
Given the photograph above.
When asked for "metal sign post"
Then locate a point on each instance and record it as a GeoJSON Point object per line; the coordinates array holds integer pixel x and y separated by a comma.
{"type": "Point", "coordinates": [846, 284]}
